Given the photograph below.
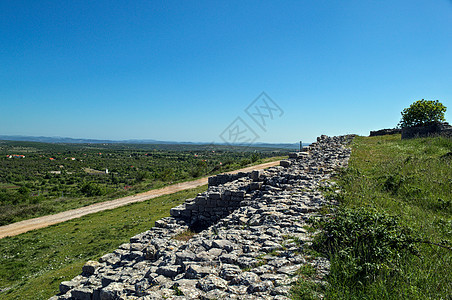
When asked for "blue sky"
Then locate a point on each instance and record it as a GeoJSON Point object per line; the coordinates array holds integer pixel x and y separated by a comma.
{"type": "Point", "coordinates": [185, 70]}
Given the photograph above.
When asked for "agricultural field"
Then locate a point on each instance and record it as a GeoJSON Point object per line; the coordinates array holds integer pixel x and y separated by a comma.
{"type": "Point", "coordinates": [41, 178]}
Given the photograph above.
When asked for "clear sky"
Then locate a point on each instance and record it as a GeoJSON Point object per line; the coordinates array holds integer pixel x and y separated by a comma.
{"type": "Point", "coordinates": [186, 70]}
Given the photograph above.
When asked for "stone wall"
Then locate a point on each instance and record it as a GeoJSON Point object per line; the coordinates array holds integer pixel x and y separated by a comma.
{"type": "Point", "coordinates": [252, 246]}
{"type": "Point", "coordinates": [386, 132]}
{"type": "Point", "coordinates": [442, 129]}
{"type": "Point", "coordinates": [224, 178]}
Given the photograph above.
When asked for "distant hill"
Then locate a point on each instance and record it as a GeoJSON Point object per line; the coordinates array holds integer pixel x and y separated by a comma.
{"type": "Point", "coordinates": [46, 139]}
{"type": "Point", "coordinates": [67, 140]}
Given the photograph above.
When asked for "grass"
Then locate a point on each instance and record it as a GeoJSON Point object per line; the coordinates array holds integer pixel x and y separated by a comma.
{"type": "Point", "coordinates": [34, 263]}
{"type": "Point", "coordinates": [412, 181]}
{"type": "Point", "coordinates": [306, 288]}
{"type": "Point", "coordinates": [185, 235]}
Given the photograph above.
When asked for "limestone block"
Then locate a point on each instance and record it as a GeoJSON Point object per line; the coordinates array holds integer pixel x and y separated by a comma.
{"type": "Point", "coordinates": [211, 203]}
{"type": "Point", "coordinates": [256, 186]}
{"type": "Point", "coordinates": [176, 211]}
{"type": "Point", "coordinates": [66, 286]}
{"type": "Point", "coordinates": [285, 163]}
{"type": "Point", "coordinates": [82, 293]}
{"type": "Point", "coordinates": [90, 267]}
{"type": "Point", "coordinates": [215, 195]}
{"type": "Point", "coordinates": [255, 175]}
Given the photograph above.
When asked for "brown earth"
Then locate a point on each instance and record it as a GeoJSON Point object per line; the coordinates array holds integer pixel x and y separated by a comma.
{"type": "Point", "coordinates": [44, 221]}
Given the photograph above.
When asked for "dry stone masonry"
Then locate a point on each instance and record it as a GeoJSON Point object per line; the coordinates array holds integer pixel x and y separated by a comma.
{"type": "Point", "coordinates": [250, 228]}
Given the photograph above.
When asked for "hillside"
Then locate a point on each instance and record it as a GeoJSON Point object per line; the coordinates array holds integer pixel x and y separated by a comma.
{"type": "Point", "coordinates": [395, 198]}
{"type": "Point", "coordinates": [392, 235]}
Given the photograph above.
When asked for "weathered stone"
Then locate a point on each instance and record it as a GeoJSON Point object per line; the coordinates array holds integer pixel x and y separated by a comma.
{"type": "Point", "coordinates": [230, 258]}
{"type": "Point", "coordinates": [141, 287]}
{"type": "Point", "coordinates": [255, 175]}
{"type": "Point", "coordinates": [169, 271]}
{"type": "Point", "coordinates": [259, 287]}
{"type": "Point", "coordinates": [66, 286]}
{"type": "Point", "coordinates": [204, 256]}
{"type": "Point", "coordinates": [150, 252]}
{"type": "Point", "coordinates": [278, 262]}
{"type": "Point", "coordinates": [160, 280]}
{"type": "Point", "coordinates": [215, 196]}
{"type": "Point", "coordinates": [197, 271]}
{"type": "Point", "coordinates": [81, 293]}
{"type": "Point", "coordinates": [246, 278]}
{"type": "Point", "coordinates": [280, 290]}
{"type": "Point", "coordinates": [289, 270]}
{"type": "Point", "coordinates": [188, 288]}
{"type": "Point", "coordinates": [112, 292]}
{"type": "Point", "coordinates": [229, 271]}
{"type": "Point", "coordinates": [216, 294]}
{"type": "Point", "coordinates": [90, 267]}
{"type": "Point", "coordinates": [274, 277]}
{"type": "Point", "coordinates": [263, 269]}
{"type": "Point", "coordinates": [183, 256]}
{"type": "Point", "coordinates": [223, 244]}
{"type": "Point", "coordinates": [285, 163]}
{"type": "Point", "coordinates": [110, 259]}
{"type": "Point", "coordinates": [107, 279]}
{"type": "Point", "coordinates": [176, 211]}
{"type": "Point", "coordinates": [256, 186]}
{"type": "Point", "coordinates": [212, 282]}
{"type": "Point", "coordinates": [270, 246]}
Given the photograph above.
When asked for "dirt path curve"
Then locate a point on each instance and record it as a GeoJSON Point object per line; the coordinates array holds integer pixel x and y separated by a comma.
{"type": "Point", "coordinates": [44, 221]}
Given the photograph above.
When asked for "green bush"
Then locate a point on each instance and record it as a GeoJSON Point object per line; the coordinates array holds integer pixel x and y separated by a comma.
{"type": "Point", "coordinates": [366, 242]}
{"type": "Point", "coordinates": [91, 189]}
{"type": "Point", "coordinates": [423, 112]}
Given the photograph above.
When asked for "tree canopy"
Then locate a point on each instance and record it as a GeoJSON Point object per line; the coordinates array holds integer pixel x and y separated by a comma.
{"type": "Point", "coordinates": [422, 112]}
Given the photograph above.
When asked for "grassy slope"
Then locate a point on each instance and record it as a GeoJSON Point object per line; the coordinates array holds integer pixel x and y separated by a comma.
{"type": "Point", "coordinates": [33, 264]}
{"type": "Point", "coordinates": [411, 179]}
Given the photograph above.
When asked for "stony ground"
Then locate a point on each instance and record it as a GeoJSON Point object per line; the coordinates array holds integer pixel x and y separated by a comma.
{"type": "Point", "coordinates": [255, 252]}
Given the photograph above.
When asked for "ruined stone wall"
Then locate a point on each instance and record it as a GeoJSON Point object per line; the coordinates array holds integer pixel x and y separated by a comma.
{"type": "Point", "coordinates": [386, 132]}
{"type": "Point", "coordinates": [254, 233]}
{"type": "Point", "coordinates": [437, 129]}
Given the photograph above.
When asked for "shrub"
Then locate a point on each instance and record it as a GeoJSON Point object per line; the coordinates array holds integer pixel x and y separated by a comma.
{"type": "Point", "coordinates": [90, 189]}
{"type": "Point", "coordinates": [423, 112]}
{"type": "Point", "coordinates": [364, 241]}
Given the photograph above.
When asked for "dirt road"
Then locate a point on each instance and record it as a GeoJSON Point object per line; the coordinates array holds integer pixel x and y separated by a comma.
{"type": "Point", "coordinates": [41, 222]}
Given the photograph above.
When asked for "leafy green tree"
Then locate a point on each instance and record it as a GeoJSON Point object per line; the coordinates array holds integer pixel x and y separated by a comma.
{"type": "Point", "coordinates": [23, 190]}
{"type": "Point", "coordinates": [255, 157]}
{"type": "Point", "coordinates": [141, 176]}
{"type": "Point", "coordinates": [423, 112]}
{"type": "Point", "coordinates": [90, 189]}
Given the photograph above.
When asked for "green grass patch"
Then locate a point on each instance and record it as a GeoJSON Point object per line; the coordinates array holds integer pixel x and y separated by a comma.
{"type": "Point", "coordinates": [34, 263]}
{"type": "Point", "coordinates": [185, 235]}
{"type": "Point", "coordinates": [390, 234]}
{"type": "Point", "coordinates": [305, 287]}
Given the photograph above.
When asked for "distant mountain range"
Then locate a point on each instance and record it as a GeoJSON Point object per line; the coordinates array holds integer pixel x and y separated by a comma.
{"type": "Point", "coordinates": [67, 140]}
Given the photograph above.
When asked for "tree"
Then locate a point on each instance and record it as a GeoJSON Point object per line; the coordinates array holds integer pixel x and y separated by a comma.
{"type": "Point", "coordinates": [423, 112]}
{"type": "Point", "coordinates": [91, 189]}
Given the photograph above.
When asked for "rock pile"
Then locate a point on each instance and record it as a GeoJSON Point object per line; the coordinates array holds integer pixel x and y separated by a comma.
{"type": "Point", "coordinates": [251, 247]}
